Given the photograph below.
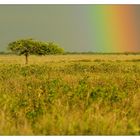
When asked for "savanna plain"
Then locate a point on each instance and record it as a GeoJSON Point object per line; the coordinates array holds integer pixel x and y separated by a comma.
{"type": "Point", "coordinates": [70, 95]}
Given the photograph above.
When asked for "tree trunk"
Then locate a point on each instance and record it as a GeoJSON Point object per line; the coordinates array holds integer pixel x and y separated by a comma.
{"type": "Point", "coordinates": [26, 56]}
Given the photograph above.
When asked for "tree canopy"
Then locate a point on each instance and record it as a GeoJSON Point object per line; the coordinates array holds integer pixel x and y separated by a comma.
{"type": "Point", "coordinates": [29, 46]}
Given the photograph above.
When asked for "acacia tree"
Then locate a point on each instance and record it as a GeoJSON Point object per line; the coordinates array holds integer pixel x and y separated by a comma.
{"type": "Point", "coordinates": [27, 47]}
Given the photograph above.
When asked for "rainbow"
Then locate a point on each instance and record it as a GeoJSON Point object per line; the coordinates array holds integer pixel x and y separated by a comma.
{"type": "Point", "coordinates": [114, 28]}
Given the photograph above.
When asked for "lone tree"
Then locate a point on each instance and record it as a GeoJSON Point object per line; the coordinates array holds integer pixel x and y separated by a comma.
{"type": "Point", "coordinates": [27, 47]}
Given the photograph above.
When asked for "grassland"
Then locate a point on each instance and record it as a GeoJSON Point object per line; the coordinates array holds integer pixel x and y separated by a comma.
{"type": "Point", "coordinates": [70, 95]}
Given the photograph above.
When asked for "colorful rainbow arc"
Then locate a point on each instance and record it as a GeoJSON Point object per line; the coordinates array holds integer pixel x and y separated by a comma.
{"type": "Point", "coordinates": [114, 28]}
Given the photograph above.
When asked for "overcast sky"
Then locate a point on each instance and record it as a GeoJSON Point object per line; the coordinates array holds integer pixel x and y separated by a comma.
{"type": "Point", "coordinates": [62, 24]}
{"type": "Point", "coordinates": [67, 25]}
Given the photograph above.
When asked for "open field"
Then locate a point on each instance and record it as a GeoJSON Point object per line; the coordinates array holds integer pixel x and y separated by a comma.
{"type": "Point", "coordinates": [11, 59]}
{"type": "Point", "coordinates": [70, 95]}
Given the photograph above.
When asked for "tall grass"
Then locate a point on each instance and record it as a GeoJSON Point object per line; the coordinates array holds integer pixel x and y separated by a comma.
{"type": "Point", "coordinates": [70, 98]}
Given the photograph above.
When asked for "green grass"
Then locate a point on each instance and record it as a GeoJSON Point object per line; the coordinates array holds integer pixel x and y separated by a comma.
{"type": "Point", "coordinates": [75, 97]}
